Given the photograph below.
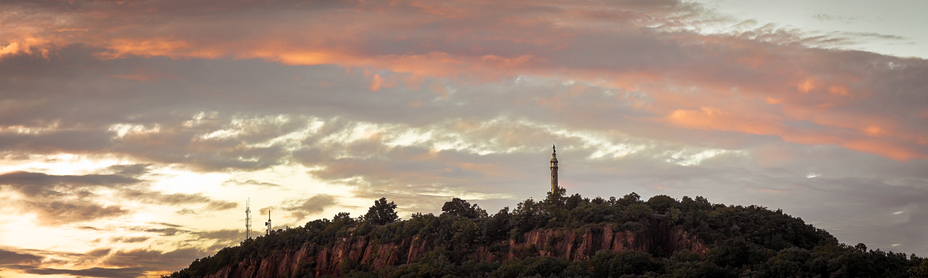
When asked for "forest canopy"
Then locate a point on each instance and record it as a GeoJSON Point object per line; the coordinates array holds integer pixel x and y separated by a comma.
{"type": "Point", "coordinates": [742, 241]}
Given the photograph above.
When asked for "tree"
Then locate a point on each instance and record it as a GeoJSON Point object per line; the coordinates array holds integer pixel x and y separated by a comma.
{"type": "Point", "coordinates": [662, 203]}
{"type": "Point", "coordinates": [921, 271]}
{"type": "Point", "coordinates": [629, 199]}
{"type": "Point", "coordinates": [381, 212]}
{"type": "Point", "coordinates": [574, 201]}
{"type": "Point", "coordinates": [556, 199]}
{"type": "Point", "coordinates": [461, 208]}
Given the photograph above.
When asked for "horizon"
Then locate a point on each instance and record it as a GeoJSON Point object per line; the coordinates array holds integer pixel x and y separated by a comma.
{"type": "Point", "coordinates": [133, 132]}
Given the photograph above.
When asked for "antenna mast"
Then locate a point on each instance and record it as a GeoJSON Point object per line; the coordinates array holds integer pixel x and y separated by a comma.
{"type": "Point", "coordinates": [268, 223]}
{"type": "Point", "coordinates": [248, 219]}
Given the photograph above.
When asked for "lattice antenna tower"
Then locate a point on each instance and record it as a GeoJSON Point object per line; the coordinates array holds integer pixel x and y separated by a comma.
{"type": "Point", "coordinates": [248, 219]}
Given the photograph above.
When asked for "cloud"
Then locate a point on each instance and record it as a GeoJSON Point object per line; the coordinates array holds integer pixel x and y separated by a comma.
{"type": "Point", "coordinates": [37, 261]}
{"type": "Point", "coordinates": [99, 252]}
{"type": "Point", "coordinates": [421, 102]}
{"type": "Point", "coordinates": [177, 199]}
{"type": "Point", "coordinates": [186, 211]}
{"type": "Point", "coordinates": [62, 199]}
{"type": "Point", "coordinates": [37, 184]}
{"type": "Point", "coordinates": [376, 83]}
{"type": "Point", "coordinates": [62, 212]}
{"type": "Point", "coordinates": [131, 170]}
{"type": "Point", "coordinates": [14, 258]}
{"type": "Point", "coordinates": [167, 199]}
{"type": "Point", "coordinates": [223, 235]}
{"type": "Point", "coordinates": [314, 205]}
{"type": "Point", "coordinates": [222, 238]}
{"type": "Point", "coordinates": [89, 272]}
{"type": "Point", "coordinates": [164, 231]}
{"type": "Point", "coordinates": [627, 60]}
{"type": "Point", "coordinates": [221, 205]}
{"type": "Point", "coordinates": [251, 182]}
{"type": "Point", "coordinates": [129, 239]}
{"type": "Point", "coordinates": [152, 259]}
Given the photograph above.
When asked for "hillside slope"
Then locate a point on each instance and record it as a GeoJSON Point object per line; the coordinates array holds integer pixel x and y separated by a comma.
{"type": "Point", "coordinates": [559, 236]}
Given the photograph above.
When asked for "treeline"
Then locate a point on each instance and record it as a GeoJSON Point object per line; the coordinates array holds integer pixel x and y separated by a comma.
{"type": "Point", "coordinates": [748, 241]}
{"type": "Point", "coordinates": [734, 258]}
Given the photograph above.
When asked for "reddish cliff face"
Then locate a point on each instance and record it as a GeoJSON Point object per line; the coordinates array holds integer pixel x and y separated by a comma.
{"type": "Point", "coordinates": [563, 243]}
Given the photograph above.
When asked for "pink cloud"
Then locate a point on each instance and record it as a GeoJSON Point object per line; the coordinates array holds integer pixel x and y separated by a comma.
{"type": "Point", "coordinates": [757, 81]}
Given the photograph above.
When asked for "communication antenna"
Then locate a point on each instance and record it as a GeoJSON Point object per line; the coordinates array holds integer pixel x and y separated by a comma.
{"type": "Point", "coordinates": [248, 219]}
{"type": "Point", "coordinates": [268, 223]}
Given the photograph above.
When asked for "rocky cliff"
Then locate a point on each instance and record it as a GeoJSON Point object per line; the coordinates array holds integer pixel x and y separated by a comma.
{"type": "Point", "coordinates": [570, 244]}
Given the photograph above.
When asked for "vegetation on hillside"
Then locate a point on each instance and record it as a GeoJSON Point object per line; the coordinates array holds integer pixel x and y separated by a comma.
{"type": "Point", "coordinates": [747, 241]}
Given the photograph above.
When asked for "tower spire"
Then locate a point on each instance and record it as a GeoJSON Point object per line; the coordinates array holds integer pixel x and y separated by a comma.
{"type": "Point", "coordinates": [553, 169]}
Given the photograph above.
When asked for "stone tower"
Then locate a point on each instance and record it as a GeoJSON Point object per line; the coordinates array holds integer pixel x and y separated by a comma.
{"type": "Point", "coordinates": [553, 169]}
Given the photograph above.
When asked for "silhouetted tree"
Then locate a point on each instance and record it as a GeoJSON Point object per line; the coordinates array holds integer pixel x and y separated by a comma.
{"type": "Point", "coordinates": [381, 212]}
{"type": "Point", "coordinates": [921, 271]}
{"type": "Point", "coordinates": [461, 208]}
{"type": "Point", "coordinates": [662, 203]}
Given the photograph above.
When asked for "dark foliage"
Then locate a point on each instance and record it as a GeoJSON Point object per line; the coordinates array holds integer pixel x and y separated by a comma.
{"type": "Point", "coordinates": [461, 208]}
{"type": "Point", "coordinates": [381, 212]}
{"type": "Point", "coordinates": [747, 241]}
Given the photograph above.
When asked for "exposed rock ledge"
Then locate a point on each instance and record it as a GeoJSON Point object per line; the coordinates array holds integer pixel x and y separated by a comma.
{"type": "Point", "coordinates": [563, 243]}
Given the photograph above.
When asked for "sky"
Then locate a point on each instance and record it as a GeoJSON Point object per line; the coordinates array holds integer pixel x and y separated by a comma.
{"type": "Point", "coordinates": [133, 132]}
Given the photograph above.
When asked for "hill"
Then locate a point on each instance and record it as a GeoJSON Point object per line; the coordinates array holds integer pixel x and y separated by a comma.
{"type": "Point", "coordinates": [561, 236]}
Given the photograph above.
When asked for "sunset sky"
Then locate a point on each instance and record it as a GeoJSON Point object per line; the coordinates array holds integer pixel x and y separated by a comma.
{"type": "Point", "coordinates": [132, 132]}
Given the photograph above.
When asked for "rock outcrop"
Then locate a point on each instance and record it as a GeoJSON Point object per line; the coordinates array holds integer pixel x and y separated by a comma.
{"type": "Point", "coordinates": [570, 244]}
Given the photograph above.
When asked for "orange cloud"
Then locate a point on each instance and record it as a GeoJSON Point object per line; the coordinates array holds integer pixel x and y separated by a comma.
{"type": "Point", "coordinates": [710, 118]}
{"type": "Point", "coordinates": [376, 82]}
{"type": "Point", "coordinates": [119, 48]}
{"type": "Point", "coordinates": [714, 82]}
{"type": "Point", "coordinates": [837, 90]}
{"type": "Point", "coordinates": [26, 45]}
{"type": "Point", "coordinates": [806, 86]}
{"type": "Point", "coordinates": [771, 100]}
{"type": "Point", "coordinates": [883, 148]}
